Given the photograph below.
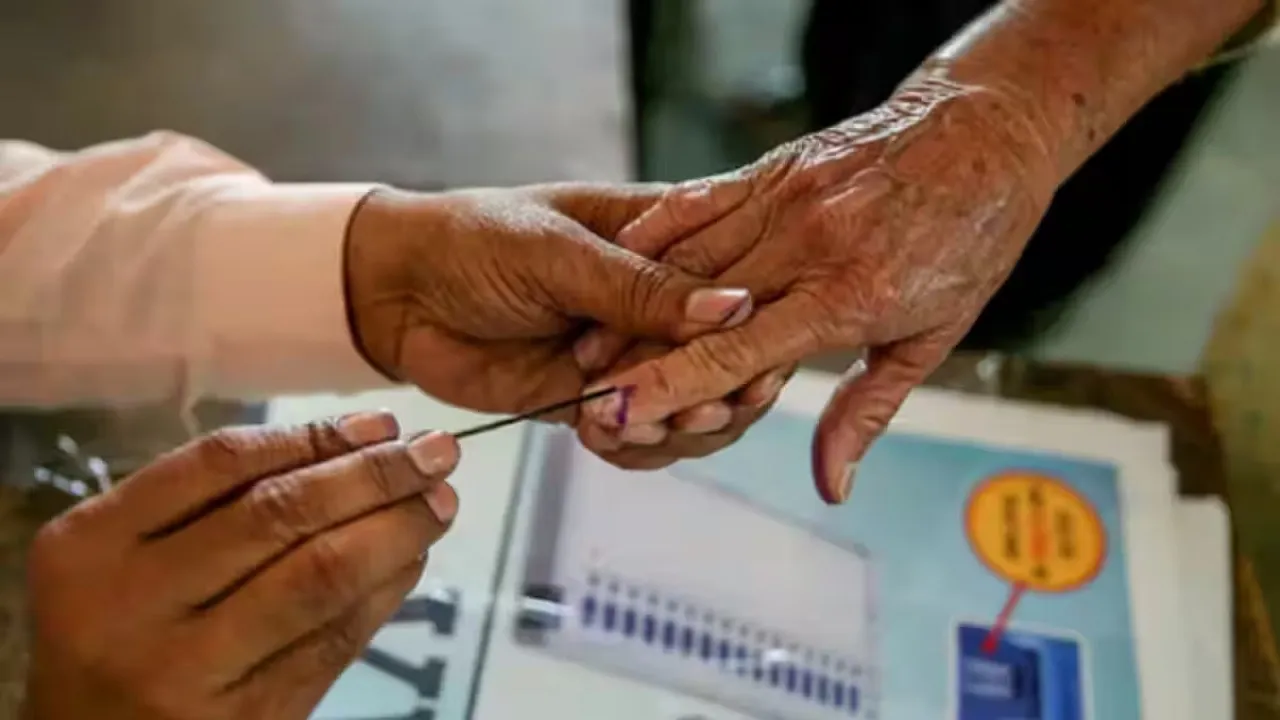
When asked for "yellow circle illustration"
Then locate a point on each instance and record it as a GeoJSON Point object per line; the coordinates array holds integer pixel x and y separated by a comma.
{"type": "Point", "coordinates": [1036, 531]}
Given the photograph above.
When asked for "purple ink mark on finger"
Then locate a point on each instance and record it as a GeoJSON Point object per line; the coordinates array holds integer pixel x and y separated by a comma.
{"type": "Point", "coordinates": [624, 405]}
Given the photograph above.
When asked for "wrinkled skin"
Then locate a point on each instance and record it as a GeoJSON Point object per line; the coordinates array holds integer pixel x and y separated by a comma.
{"type": "Point", "coordinates": [696, 432]}
{"type": "Point", "coordinates": [887, 234]}
{"type": "Point", "coordinates": [235, 577]}
{"type": "Point", "coordinates": [477, 297]}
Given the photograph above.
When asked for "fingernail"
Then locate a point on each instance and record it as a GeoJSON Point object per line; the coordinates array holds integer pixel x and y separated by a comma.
{"type": "Point", "coordinates": [770, 387]}
{"type": "Point", "coordinates": [366, 428]}
{"type": "Point", "coordinates": [443, 501]}
{"type": "Point", "coordinates": [586, 351]}
{"type": "Point", "coordinates": [723, 307]}
{"type": "Point", "coordinates": [858, 368]}
{"type": "Point", "coordinates": [710, 417]}
{"type": "Point", "coordinates": [646, 434]}
{"type": "Point", "coordinates": [845, 486]}
{"type": "Point", "coordinates": [434, 453]}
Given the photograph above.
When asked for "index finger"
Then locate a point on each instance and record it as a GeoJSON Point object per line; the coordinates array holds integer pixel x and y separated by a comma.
{"type": "Point", "coordinates": [683, 210]}
{"type": "Point", "coordinates": [195, 478]}
{"type": "Point", "coordinates": [714, 365]}
{"type": "Point", "coordinates": [316, 582]}
{"type": "Point", "coordinates": [286, 510]}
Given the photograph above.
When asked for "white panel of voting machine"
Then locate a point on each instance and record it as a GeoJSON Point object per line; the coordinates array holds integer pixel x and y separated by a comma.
{"type": "Point", "coordinates": [672, 580]}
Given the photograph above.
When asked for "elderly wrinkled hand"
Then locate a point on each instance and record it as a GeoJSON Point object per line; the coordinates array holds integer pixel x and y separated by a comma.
{"type": "Point", "coordinates": [237, 576]}
{"type": "Point", "coordinates": [887, 234]}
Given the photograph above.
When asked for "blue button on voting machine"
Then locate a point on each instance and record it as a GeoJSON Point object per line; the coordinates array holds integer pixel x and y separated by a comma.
{"type": "Point", "coordinates": [1024, 677]}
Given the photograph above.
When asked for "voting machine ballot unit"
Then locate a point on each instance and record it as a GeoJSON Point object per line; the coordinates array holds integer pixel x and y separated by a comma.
{"type": "Point", "coordinates": [674, 580]}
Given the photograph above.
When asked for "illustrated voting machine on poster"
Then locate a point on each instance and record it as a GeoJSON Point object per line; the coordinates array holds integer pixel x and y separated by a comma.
{"type": "Point", "coordinates": [668, 579]}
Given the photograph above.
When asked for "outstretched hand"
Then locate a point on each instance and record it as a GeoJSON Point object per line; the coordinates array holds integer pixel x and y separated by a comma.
{"type": "Point", "coordinates": [888, 235]}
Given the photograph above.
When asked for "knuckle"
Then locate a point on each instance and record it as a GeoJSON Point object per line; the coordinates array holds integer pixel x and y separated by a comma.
{"type": "Point", "coordinates": [697, 258]}
{"type": "Point", "coordinates": [873, 422]}
{"type": "Point", "coordinates": [880, 406]}
{"type": "Point", "coordinates": [716, 248]}
{"type": "Point", "coordinates": [388, 471]}
{"type": "Point", "coordinates": [343, 643]}
{"type": "Point", "coordinates": [235, 450]}
{"type": "Point", "coordinates": [418, 525]}
{"type": "Point", "coordinates": [666, 381]}
{"type": "Point", "coordinates": [695, 203]}
{"type": "Point", "coordinates": [223, 451]}
{"type": "Point", "coordinates": [52, 553]}
{"type": "Point", "coordinates": [642, 292]}
{"type": "Point", "coordinates": [718, 365]}
{"type": "Point", "coordinates": [328, 574]}
{"type": "Point", "coordinates": [885, 293]}
{"type": "Point", "coordinates": [676, 207]}
{"type": "Point", "coordinates": [279, 511]}
{"type": "Point", "coordinates": [411, 576]}
{"type": "Point", "coordinates": [822, 231]}
{"type": "Point", "coordinates": [827, 315]}
{"type": "Point", "coordinates": [320, 439]}
{"type": "Point", "coordinates": [647, 235]}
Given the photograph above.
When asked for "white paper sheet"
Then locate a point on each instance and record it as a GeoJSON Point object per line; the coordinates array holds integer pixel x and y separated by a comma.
{"type": "Point", "coordinates": [1204, 548]}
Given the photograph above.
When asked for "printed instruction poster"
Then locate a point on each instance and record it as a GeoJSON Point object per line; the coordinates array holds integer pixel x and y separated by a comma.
{"type": "Point", "coordinates": [960, 581]}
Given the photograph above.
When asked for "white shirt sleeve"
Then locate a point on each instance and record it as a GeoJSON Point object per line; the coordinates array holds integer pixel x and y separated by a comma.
{"type": "Point", "coordinates": [159, 268]}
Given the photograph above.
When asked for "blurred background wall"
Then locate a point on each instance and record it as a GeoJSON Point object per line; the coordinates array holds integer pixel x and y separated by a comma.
{"type": "Point", "coordinates": [416, 92]}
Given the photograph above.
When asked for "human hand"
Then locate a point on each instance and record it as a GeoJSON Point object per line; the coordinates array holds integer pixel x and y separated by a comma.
{"type": "Point", "coordinates": [478, 296]}
{"type": "Point", "coordinates": [698, 431]}
{"type": "Point", "coordinates": [886, 234]}
{"type": "Point", "coordinates": [235, 577]}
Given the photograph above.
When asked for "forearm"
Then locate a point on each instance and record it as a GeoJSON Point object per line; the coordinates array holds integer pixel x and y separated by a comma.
{"type": "Point", "coordinates": [1081, 68]}
{"type": "Point", "coordinates": [159, 269]}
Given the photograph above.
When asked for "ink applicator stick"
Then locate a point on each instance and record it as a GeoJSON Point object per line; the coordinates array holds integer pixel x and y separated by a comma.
{"type": "Point", "coordinates": [547, 410]}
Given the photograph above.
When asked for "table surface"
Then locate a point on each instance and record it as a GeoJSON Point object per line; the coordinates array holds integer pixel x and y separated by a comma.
{"type": "Point", "coordinates": [1179, 402]}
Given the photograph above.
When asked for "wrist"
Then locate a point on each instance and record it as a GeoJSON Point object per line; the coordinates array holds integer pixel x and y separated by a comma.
{"type": "Point", "coordinates": [997, 122]}
{"type": "Point", "coordinates": [267, 291]}
{"type": "Point", "coordinates": [1081, 68]}
{"type": "Point", "coordinates": [377, 279]}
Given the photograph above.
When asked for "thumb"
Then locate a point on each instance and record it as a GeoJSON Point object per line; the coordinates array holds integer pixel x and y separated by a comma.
{"type": "Point", "coordinates": [870, 394]}
{"type": "Point", "coordinates": [635, 296]}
